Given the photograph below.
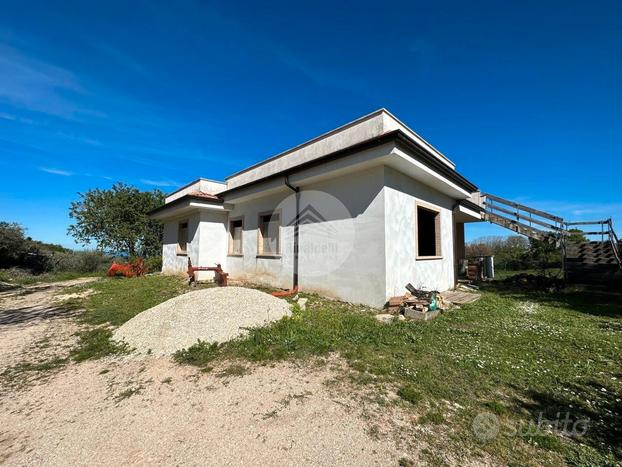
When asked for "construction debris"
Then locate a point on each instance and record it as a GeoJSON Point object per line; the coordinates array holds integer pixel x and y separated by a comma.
{"type": "Point", "coordinates": [460, 297]}
{"type": "Point", "coordinates": [416, 304]}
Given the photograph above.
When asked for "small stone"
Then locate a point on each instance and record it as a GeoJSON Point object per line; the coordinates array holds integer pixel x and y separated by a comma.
{"type": "Point", "coordinates": [385, 317]}
{"type": "Point", "coordinates": [302, 303]}
{"type": "Point", "coordinates": [296, 297]}
{"type": "Point", "coordinates": [401, 318]}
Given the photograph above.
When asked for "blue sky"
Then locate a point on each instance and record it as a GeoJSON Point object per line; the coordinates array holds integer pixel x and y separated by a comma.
{"type": "Point", "coordinates": [525, 97]}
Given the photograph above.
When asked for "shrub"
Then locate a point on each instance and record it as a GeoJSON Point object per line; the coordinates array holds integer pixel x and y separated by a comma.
{"type": "Point", "coordinates": [410, 394]}
{"type": "Point", "coordinates": [199, 354]}
{"type": "Point", "coordinates": [154, 264]}
{"type": "Point", "coordinates": [80, 261]}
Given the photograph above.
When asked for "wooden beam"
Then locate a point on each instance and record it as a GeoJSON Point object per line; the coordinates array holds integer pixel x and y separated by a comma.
{"type": "Point", "coordinates": [522, 207]}
{"type": "Point", "coordinates": [522, 216]}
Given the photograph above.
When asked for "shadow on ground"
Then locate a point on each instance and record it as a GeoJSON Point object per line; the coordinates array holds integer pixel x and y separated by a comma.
{"type": "Point", "coordinates": [583, 299]}
{"type": "Point", "coordinates": [28, 314]}
{"type": "Point", "coordinates": [595, 421]}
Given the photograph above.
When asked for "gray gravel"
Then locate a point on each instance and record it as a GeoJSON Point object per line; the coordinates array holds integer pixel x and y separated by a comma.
{"type": "Point", "coordinates": [212, 315]}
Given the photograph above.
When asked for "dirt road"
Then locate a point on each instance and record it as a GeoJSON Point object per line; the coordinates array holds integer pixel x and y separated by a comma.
{"type": "Point", "coordinates": [145, 411]}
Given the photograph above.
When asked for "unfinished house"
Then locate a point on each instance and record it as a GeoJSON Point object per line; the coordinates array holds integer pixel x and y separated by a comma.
{"type": "Point", "coordinates": [355, 214]}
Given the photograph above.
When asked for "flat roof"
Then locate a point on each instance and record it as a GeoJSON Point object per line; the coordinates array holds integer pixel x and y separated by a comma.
{"type": "Point", "coordinates": [384, 128]}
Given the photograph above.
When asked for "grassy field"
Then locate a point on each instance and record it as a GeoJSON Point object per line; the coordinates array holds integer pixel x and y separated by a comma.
{"type": "Point", "coordinates": [501, 274]}
{"type": "Point", "coordinates": [511, 361]}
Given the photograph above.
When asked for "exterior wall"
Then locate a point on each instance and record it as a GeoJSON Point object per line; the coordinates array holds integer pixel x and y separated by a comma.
{"type": "Point", "coordinates": [207, 243]}
{"type": "Point", "coordinates": [355, 278]}
{"type": "Point", "coordinates": [213, 242]}
{"type": "Point", "coordinates": [172, 263]}
{"type": "Point", "coordinates": [275, 271]}
{"type": "Point", "coordinates": [380, 207]}
{"type": "Point", "coordinates": [401, 195]}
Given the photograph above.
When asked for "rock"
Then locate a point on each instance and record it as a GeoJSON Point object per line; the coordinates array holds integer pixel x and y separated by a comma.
{"type": "Point", "coordinates": [302, 303]}
{"type": "Point", "coordinates": [420, 315]}
{"type": "Point", "coordinates": [401, 318]}
{"type": "Point", "coordinates": [384, 318]}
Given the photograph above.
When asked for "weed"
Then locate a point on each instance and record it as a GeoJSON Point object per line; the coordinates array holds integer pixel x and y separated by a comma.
{"type": "Point", "coordinates": [127, 393]}
{"type": "Point", "coordinates": [199, 354]}
{"type": "Point", "coordinates": [410, 394]}
{"type": "Point", "coordinates": [433, 416]}
{"type": "Point", "coordinates": [233, 370]}
{"type": "Point", "coordinates": [96, 343]}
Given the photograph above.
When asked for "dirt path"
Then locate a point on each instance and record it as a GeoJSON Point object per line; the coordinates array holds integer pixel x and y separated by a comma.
{"type": "Point", "coordinates": [146, 410]}
{"type": "Point", "coordinates": [32, 315]}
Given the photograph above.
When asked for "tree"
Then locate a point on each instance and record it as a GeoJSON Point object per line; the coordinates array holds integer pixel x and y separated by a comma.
{"type": "Point", "coordinates": [18, 250]}
{"type": "Point", "coordinates": [13, 244]}
{"type": "Point", "coordinates": [116, 220]}
{"type": "Point", "coordinates": [544, 255]}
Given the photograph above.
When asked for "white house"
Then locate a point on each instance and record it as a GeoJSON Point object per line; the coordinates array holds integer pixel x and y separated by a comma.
{"type": "Point", "coordinates": [368, 207]}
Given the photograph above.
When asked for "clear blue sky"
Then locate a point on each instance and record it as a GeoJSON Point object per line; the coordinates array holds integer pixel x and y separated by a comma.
{"type": "Point", "coordinates": [525, 97]}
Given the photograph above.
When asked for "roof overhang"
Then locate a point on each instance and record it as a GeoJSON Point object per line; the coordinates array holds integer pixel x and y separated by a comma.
{"type": "Point", "coordinates": [395, 149]}
{"type": "Point", "coordinates": [374, 125]}
{"type": "Point", "coordinates": [467, 211]}
{"type": "Point", "coordinates": [187, 205]}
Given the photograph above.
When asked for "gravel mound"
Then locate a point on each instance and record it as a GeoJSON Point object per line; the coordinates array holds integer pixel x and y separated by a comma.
{"type": "Point", "coordinates": [213, 315]}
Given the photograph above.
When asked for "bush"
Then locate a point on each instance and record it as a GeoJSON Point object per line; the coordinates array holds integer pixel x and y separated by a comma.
{"type": "Point", "coordinates": [154, 264]}
{"type": "Point", "coordinates": [80, 261]}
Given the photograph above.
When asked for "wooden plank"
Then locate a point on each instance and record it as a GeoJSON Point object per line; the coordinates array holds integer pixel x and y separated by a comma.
{"type": "Point", "coordinates": [587, 222]}
{"type": "Point", "coordinates": [516, 226]}
{"type": "Point", "coordinates": [522, 216]}
{"type": "Point", "coordinates": [522, 207]}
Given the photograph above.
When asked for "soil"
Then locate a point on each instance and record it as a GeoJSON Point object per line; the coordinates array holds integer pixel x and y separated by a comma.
{"type": "Point", "coordinates": [149, 410]}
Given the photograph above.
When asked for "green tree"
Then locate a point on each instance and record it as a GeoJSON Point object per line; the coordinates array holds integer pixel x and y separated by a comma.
{"type": "Point", "coordinates": [116, 220]}
{"type": "Point", "coordinates": [13, 244]}
{"type": "Point", "coordinates": [544, 255]}
{"type": "Point", "coordinates": [18, 250]}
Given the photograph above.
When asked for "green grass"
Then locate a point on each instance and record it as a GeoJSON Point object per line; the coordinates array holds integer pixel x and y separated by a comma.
{"type": "Point", "coordinates": [119, 299]}
{"type": "Point", "coordinates": [115, 301]}
{"type": "Point", "coordinates": [499, 355]}
{"type": "Point", "coordinates": [501, 274]}
{"type": "Point", "coordinates": [518, 355]}
{"type": "Point", "coordinates": [96, 343]}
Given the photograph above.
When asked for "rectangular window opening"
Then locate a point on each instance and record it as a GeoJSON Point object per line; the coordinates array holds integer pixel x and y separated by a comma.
{"type": "Point", "coordinates": [269, 234]}
{"type": "Point", "coordinates": [182, 238]}
{"type": "Point", "coordinates": [235, 237]}
{"type": "Point", "coordinates": [428, 232]}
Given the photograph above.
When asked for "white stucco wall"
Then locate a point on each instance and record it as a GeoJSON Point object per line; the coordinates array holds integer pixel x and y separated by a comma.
{"type": "Point", "coordinates": [401, 194]}
{"type": "Point", "coordinates": [380, 205]}
{"type": "Point", "coordinates": [172, 263]}
{"type": "Point", "coordinates": [207, 243]}
{"type": "Point", "coordinates": [276, 271]}
{"type": "Point", "coordinates": [355, 277]}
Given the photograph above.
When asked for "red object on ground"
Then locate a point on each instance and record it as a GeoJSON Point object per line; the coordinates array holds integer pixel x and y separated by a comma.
{"type": "Point", "coordinates": [220, 276]}
{"type": "Point", "coordinates": [134, 269]}
{"type": "Point", "coordinates": [285, 293]}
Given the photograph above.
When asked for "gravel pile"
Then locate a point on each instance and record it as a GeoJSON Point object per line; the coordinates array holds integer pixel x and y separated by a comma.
{"type": "Point", "coordinates": [212, 315]}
